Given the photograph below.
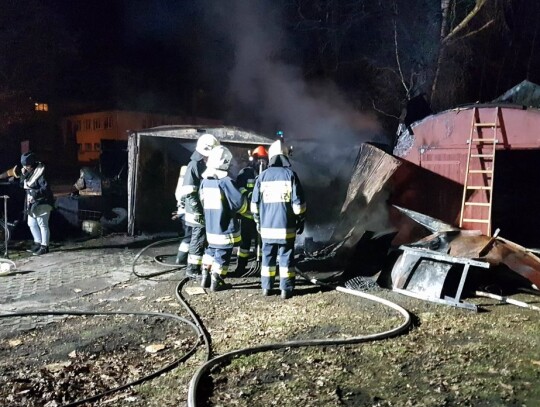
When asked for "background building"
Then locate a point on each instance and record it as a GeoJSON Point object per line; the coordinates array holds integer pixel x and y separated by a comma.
{"type": "Point", "coordinates": [86, 131]}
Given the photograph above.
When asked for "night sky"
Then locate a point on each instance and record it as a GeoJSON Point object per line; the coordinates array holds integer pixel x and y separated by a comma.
{"type": "Point", "coordinates": [139, 54]}
{"type": "Point", "coordinates": [312, 67]}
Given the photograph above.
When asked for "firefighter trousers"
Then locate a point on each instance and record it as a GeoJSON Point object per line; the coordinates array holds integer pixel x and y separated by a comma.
{"type": "Point", "coordinates": [217, 260]}
{"type": "Point", "coordinates": [183, 248]}
{"type": "Point", "coordinates": [282, 254]}
{"type": "Point", "coordinates": [248, 232]}
{"type": "Point", "coordinates": [196, 247]}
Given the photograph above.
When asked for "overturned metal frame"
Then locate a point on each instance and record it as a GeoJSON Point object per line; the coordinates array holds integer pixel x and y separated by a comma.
{"type": "Point", "coordinates": [411, 259]}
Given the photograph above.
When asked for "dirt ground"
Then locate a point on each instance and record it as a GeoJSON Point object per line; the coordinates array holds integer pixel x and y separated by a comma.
{"type": "Point", "coordinates": [449, 356]}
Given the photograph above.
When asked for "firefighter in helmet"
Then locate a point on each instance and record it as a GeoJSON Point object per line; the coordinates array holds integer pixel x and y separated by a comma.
{"type": "Point", "coordinates": [194, 216]}
{"type": "Point", "coordinates": [279, 208]}
{"type": "Point", "coordinates": [246, 182]}
{"type": "Point", "coordinates": [222, 201]}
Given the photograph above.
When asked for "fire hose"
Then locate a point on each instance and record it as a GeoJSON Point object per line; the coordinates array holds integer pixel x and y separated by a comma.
{"type": "Point", "coordinates": [202, 335]}
{"type": "Point", "coordinates": [192, 391]}
{"type": "Point", "coordinates": [150, 376]}
{"type": "Point", "coordinates": [212, 362]}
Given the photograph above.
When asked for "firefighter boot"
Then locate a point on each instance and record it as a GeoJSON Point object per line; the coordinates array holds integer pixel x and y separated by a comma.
{"type": "Point", "coordinates": [286, 294]}
{"type": "Point", "coordinates": [205, 277]}
{"type": "Point", "coordinates": [181, 258]}
{"type": "Point", "coordinates": [241, 266]}
{"type": "Point", "coordinates": [193, 271]}
{"type": "Point", "coordinates": [218, 283]}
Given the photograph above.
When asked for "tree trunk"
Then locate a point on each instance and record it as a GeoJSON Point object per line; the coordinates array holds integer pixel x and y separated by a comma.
{"type": "Point", "coordinates": [445, 5]}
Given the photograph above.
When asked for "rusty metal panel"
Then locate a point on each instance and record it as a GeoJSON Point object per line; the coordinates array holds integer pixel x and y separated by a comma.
{"type": "Point", "coordinates": [445, 162]}
{"type": "Point", "coordinates": [379, 180]}
{"type": "Point", "coordinates": [439, 144]}
{"type": "Point", "coordinates": [451, 129]}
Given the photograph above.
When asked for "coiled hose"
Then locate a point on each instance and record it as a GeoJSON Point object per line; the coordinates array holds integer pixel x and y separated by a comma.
{"type": "Point", "coordinates": [192, 391]}
{"type": "Point", "coordinates": [198, 327]}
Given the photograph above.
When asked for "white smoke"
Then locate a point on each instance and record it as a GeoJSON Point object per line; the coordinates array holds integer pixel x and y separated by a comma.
{"type": "Point", "coordinates": [270, 94]}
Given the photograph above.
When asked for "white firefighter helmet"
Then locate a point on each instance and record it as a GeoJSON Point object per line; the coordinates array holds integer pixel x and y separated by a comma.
{"type": "Point", "coordinates": [206, 143]}
{"type": "Point", "coordinates": [277, 147]}
{"type": "Point", "coordinates": [220, 158]}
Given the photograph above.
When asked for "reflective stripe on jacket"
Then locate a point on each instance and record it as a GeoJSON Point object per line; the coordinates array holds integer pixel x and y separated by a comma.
{"type": "Point", "coordinates": [277, 202]}
{"type": "Point", "coordinates": [221, 201]}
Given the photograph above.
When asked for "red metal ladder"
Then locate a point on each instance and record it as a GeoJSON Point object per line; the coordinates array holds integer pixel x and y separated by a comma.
{"type": "Point", "coordinates": [479, 173]}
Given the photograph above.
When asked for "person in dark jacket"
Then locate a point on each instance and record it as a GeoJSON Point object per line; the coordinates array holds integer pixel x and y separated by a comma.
{"type": "Point", "coordinates": [279, 208]}
{"type": "Point", "coordinates": [221, 200]}
{"type": "Point", "coordinates": [194, 216]}
{"type": "Point", "coordinates": [179, 215]}
{"type": "Point", "coordinates": [38, 202]}
{"type": "Point", "coordinates": [246, 182]}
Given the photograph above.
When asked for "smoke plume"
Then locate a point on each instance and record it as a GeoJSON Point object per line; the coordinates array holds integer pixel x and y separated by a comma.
{"type": "Point", "coordinates": [267, 94]}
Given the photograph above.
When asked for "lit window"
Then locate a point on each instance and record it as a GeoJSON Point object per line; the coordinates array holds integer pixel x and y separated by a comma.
{"type": "Point", "coordinates": [87, 124]}
{"type": "Point", "coordinates": [97, 124]}
{"type": "Point", "coordinates": [107, 123]}
{"type": "Point", "coordinates": [96, 146]}
{"type": "Point", "coordinates": [87, 146]}
{"type": "Point", "coordinates": [41, 107]}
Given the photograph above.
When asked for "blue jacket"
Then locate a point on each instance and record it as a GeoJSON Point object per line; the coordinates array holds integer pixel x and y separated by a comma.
{"type": "Point", "coordinates": [221, 201]}
{"type": "Point", "coordinates": [278, 202]}
{"type": "Point", "coordinates": [190, 189]}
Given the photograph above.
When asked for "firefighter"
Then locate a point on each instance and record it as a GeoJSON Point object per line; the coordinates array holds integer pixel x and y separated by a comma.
{"type": "Point", "coordinates": [194, 216]}
{"type": "Point", "coordinates": [221, 200]}
{"type": "Point", "coordinates": [279, 208]}
{"type": "Point", "coordinates": [183, 248]}
{"type": "Point", "coordinates": [245, 182]}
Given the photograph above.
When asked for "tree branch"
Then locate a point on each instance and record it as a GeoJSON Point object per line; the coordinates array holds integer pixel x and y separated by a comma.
{"type": "Point", "coordinates": [398, 61]}
{"type": "Point", "coordinates": [381, 112]}
{"type": "Point", "coordinates": [466, 20]}
{"type": "Point", "coordinates": [486, 25]}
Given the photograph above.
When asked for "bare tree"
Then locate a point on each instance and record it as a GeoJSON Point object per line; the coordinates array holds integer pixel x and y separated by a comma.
{"type": "Point", "coordinates": [454, 30]}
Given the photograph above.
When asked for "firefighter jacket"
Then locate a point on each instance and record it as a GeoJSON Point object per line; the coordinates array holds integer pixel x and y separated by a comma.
{"type": "Point", "coordinates": [190, 189]}
{"type": "Point", "coordinates": [221, 201]}
{"type": "Point", "coordinates": [278, 204]}
{"type": "Point", "coordinates": [245, 181]}
{"type": "Point", "coordinates": [178, 192]}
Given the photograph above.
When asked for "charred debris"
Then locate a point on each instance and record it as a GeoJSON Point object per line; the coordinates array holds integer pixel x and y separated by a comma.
{"type": "Point", "coordinates": [378, 241]}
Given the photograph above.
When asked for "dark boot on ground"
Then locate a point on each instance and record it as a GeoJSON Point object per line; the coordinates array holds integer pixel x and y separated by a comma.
{"type": "Point", "coordinates": [181, 258]}
{"type": "Point", "coordinates": [205, 278]}
{"type": "Point", "coordinates": [34, 248]}
{"type": "Point", "coordinates": [286, 294]}
{"type": "Point", "coordinates": [42, 250]}
{"type": "Point", "coordinates": [241, 266]}
{"type": "Point", "coordinates": [218, 283]}
{"type": "Point", "coordinates": [193, 272]}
